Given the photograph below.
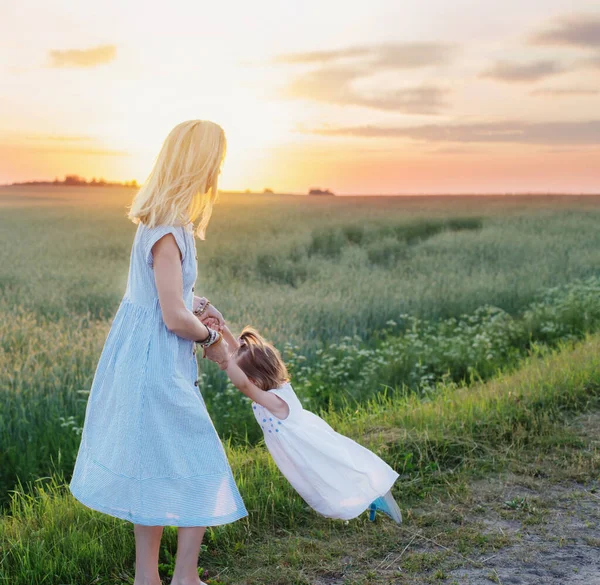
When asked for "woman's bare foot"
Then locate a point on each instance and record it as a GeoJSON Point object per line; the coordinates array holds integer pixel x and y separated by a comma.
{"type": "Point", "coordinates": [156, 581]}
{"type": "Point", "coordinates": [187, 582]}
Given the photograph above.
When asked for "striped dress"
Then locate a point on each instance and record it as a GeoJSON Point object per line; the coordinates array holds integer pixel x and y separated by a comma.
{"type": "Point", "coordinates": [149, 452]}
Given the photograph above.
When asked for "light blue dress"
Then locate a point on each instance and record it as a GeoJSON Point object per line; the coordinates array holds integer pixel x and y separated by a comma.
{"type": "Point", "coordinates": [149, 452]}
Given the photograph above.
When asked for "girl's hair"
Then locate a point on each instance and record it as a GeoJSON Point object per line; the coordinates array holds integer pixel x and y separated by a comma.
{"type": "Point", "coordinates": [183, 184]}
{"type": "Point", "coordinates": [260, 360]}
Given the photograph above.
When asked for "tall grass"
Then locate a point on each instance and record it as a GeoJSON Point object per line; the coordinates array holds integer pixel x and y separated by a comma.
{"type": "Point", "coordinates": [47, 371]}
{"type": "Point", "coordinates": [304, 270]}
{"type": "Point", "coordinates": [416, 354]}
{"type": "Point", "coordinates": [48, 537]}
{"type": "Point", "coordinates": [312, 275]}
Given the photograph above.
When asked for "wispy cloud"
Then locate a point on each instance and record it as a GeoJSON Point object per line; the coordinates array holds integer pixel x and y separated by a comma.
{"type": "Point", "coordinates": [82, 58]}
{"type": "Point", "coordinates": [387, 55]}
{"type": "Point", "coordinates": [564, 91]}
{"type": "Point", "coordinates": [581, 30]}
{"type": "Point", "coordinates": [333, 85]}
{"type": "Point", "coordinates": [452, 150]}
{"type": "Point", "coordinates": [522, 72]}
{"type": "Point", "coordinates": [548, 133]}
{"type": "Point", "coordinates": [426, 99]}
{"type": "Point", "coordinates": [333, 81]}
{"type": "Point", "coordinates": [593, 61]}
{"type": "Point", "coordinates": [321, 56]}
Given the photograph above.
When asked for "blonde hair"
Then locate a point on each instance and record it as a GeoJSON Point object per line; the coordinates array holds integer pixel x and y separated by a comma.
{"type": "Point", "coordinates": [183, 184]}
{"type": "Point", "coordinates": [260, 360]}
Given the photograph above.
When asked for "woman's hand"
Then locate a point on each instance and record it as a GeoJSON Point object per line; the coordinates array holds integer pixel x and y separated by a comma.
{"type": "Point", "coordinates": [211, 317]}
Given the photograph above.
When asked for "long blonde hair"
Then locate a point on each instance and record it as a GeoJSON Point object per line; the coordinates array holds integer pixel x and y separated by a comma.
{"type": "Point", "coordinates": [183, 184]}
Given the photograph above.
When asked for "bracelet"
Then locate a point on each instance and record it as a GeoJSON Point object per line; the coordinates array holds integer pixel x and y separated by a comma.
{"type": "Point", "coordinates": [200, 310]}
{"type": "Point", "coordinates": [213, 338]}
{"type": "Point", "coordinates": [200, 341]}
{"type": "Point", "coordinates": [216, 342]}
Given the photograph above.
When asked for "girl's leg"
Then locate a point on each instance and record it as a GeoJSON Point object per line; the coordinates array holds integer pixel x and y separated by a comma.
{"type": "Point", "coordinates": [147, 546]}
{"type": "Point", "coordinates": [189, 540]}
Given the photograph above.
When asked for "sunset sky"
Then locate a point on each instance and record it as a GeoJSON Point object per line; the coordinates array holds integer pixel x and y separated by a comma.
{"type": "Point", "coordinates": [377, 96]}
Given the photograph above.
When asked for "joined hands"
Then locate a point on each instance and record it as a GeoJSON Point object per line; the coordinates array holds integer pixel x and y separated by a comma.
{"type": "Point", "coordinates": [219, 352]}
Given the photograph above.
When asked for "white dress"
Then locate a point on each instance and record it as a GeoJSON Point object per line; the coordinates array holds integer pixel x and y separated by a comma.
{"type": "Point", "coordinates": [333, 474]}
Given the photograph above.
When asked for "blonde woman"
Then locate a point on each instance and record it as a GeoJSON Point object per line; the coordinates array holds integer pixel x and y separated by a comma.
{"type": "Point", "coordinates": [149, 452]}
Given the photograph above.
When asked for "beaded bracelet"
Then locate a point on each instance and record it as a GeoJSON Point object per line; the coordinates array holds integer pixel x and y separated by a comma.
{"type": "Point", "coordinates": [213, 337]}
{"type": "Point", "coordinates": [200, 310]}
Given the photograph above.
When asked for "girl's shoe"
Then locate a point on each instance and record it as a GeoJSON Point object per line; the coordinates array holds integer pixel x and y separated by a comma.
{"type": "Point", "coordinates": [388, 506]}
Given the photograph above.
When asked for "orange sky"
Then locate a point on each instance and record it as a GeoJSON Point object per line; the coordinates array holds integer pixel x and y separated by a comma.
{"type": "Point", "coordinates": [361, 97]}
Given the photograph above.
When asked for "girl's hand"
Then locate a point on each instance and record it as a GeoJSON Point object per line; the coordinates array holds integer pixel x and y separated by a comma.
{"type": "Point", "coordinates": [212, 323]}
{"type": "Point", "coordinates": [213, 318]}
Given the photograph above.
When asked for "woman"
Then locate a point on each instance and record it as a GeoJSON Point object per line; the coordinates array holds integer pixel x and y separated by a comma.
{"type": "Point", "coordinates": [149, 452]}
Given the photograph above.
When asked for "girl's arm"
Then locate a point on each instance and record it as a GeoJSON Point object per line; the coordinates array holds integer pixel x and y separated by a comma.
{"type": "Point", "coordinates": [271, 402]}
{"type": "Point", "coordinates": [232, 342]}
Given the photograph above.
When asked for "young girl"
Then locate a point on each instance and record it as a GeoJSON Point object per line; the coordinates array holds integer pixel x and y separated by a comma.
{"type": "Point", "coordinates": [336, 476]}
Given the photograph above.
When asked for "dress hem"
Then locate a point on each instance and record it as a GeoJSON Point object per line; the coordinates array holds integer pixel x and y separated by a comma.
{"type": "Point", "coordinates": [352, 515]}
{"type": "Point", "coordinates": [135, 519]}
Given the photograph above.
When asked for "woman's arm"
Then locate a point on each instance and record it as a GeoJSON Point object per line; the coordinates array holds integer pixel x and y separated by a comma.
{"type": "Point", "coordinates": [270, 401]}
{"type": "Point", "coordinates": [169, 284]}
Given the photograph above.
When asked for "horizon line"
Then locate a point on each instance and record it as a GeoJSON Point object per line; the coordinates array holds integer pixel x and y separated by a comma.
{"type": "Point", "coordinates": [537, 193]}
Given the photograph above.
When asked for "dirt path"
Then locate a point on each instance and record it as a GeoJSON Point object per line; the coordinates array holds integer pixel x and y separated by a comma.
{"type": "Point", "coordinates": [552, 521]}
{"type": "Point", "coordinates": [538, 524]}
{"type": "Point", "coordinates": [554, 536]}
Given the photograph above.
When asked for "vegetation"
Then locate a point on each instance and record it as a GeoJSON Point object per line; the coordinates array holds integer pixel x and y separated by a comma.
{"type": "Point", "coordinates": [433, 443]}
{"type": "Point", "coordinates": [77, 181]}
{"type": "Point", "coordinates": [441, 332]}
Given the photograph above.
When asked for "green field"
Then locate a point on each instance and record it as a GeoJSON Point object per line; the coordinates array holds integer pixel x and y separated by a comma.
{"type": "Point", "coordinates": [383, 307]}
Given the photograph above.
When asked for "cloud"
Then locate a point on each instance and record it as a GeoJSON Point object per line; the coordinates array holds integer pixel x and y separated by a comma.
{"type": "Point", "coordinates": [593, 61]}
{"type": "Point", "coordinates": [333, 85]}
{"type": "Point", "coordinates": [415, 100]}
{"type": "Point", "coordinates": [549, 133]}
{"type": "Point", "coordinates": [383, 56]}
{"type": "Point", "coordinates": [83, 58]}
{"type": "Point", "coordinates": [577, 31]}
{"type": "Point", "coordinates": [321, 56]}
{"type": "Point", "coordinates": [452, 150]}
{"type": "Point", "coordinates": [564, 91]}
{"type": "Point", "coordinates": [333, 81]}
{"type": "Point", "coordinates": [522, 73]}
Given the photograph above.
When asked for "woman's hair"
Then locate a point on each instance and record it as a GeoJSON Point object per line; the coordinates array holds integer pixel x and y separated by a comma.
{"type": "Point", "coordinates": [183, 184]}
{"type": "Point", "coordinates": [260, 360]}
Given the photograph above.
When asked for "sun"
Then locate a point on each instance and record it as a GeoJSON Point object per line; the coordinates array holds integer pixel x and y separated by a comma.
{"type": "Point", "coordinates": [254, 128]}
